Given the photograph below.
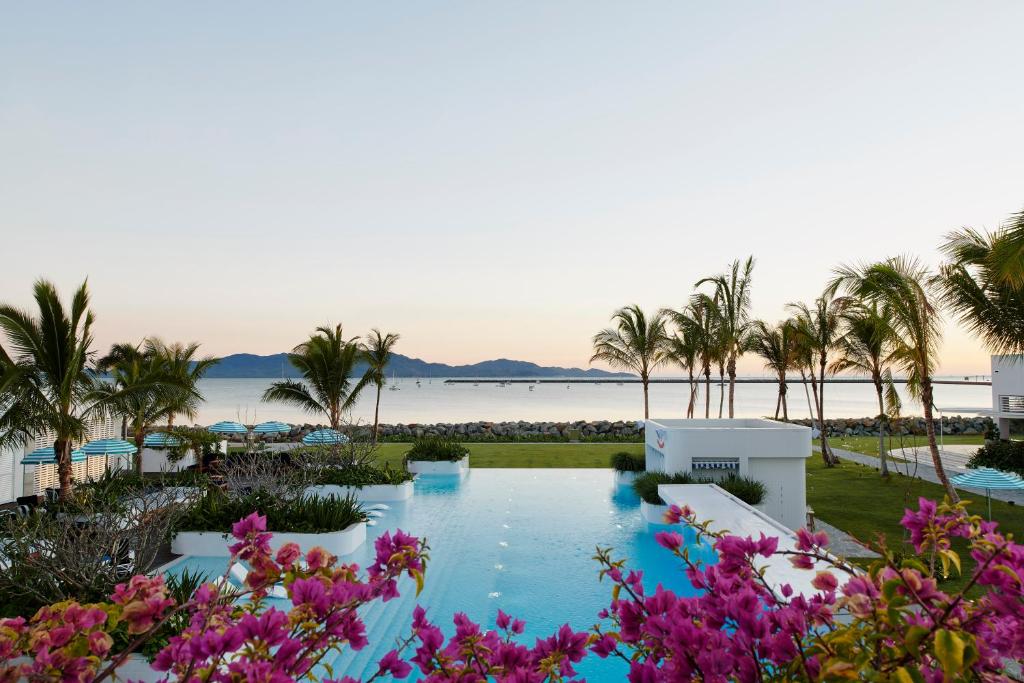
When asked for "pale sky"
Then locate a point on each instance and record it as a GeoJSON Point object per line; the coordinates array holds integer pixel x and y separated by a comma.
{"type": "Point", "coordinates": [489, 180]}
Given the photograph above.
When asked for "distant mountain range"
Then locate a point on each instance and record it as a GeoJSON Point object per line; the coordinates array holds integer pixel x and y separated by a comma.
{"type": "Point", "coordinates": [277, 365]}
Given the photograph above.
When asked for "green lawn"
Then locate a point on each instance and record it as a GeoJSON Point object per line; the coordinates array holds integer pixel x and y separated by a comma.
{"type": "Point", "coordinates": [527, 454]}
{"type": "Point", "coordinates": [869, 444]}
{"type": "Point", "coordinates": [857, 500]}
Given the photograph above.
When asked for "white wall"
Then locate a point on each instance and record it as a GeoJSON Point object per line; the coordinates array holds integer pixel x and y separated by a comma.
{"type": "Point", "coordinates": [773, 453]}
{"type": "Point", "coordinates": [1007, 391]}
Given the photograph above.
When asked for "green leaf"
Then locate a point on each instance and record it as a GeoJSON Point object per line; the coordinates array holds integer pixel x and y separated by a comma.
{"type": "Point", "coordinates": [949, 650]}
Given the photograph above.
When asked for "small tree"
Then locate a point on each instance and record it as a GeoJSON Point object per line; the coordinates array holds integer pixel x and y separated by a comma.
{"type": "Point", "coordinates": [636, 343]}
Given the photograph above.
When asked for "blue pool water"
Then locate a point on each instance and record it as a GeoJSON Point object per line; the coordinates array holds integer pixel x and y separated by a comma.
{"type": "Point", "coordinates": [516, 539]}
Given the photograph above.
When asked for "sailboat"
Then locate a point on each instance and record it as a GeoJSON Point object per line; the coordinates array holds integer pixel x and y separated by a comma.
{"type": "Point", "coordinates": [393, 386]}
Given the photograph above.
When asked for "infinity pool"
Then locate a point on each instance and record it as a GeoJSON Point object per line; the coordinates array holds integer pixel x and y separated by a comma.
{"type": "Point", "coordinates": [520, 540]}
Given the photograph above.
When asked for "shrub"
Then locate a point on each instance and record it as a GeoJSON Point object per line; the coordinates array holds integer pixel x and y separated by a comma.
{"type": "Point", "coordinates": [314, 515]}
{"type": "Point", "coordinates": [628, 462]}
{"type": "Point", "coordinates": [363, 475]}
{"type": "Point", "coordinates": [750, 491]}
{"type": "Point", "coordinates": [1001, 455]}
{"type": "Point", "coordinates": [646, 485]}
{"type": "Point", "coordinates": [436, 448]}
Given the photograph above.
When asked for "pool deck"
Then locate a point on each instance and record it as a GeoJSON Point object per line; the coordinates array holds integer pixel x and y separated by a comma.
{"type": "Point", "coordinates": [728, 513]}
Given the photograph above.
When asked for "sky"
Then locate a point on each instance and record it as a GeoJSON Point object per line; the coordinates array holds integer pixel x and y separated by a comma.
{"type": "Point", "coordinates": [489, 179]}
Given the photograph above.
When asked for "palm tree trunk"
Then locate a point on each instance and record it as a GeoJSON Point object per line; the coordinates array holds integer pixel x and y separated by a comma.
{"type": "Point", "coordinates": [376, 417]}
{"type": "Point", "coordinates": [933, 446]}
{"type": "Point", "coordinates": [826, 452]}
{"type": "Point", "coordinates": [883, 463]}
{"type": "Point", "coordinates": [732, 383]}
{"type": "Point", "coordinates": [62, 447]}
{"type": "Point", "coordinates": [645, 380]}
{"type": "Point", "coordinates": [140, 438]}
{"type": "Point", "coordinates": [707, 393]}
{"type": "Point", "coordinates": [803, 378]}
{"type": "Point", "coordinates": [721, 390]}
{"type": "Point", "coordinates": [785, 390]}
{"type": "Point", "coordinates": [693, 394]}
{"type": "Point", "coordinates": [778, 405]}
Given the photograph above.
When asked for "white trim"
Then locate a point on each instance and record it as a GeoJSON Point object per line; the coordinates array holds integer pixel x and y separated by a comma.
{"type": "Point", "coordinates": [438, 466]}
{"type": "Point", "coordinates": [215, 544]}
{"type": "Point", "coordinates": [375, 492]}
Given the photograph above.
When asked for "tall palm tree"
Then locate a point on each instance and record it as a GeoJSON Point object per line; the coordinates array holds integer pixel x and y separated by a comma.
{"type": "Point", "coordinates": [45, 380]}
{"type": "Point", "coordinates": [732, 290]}
{"type": "Point", "coordinates": [691, 347]}
{"type": "Point", "coordinates": [181, 364]}
{"type": "Point", "coordinates": [681, 350]}
{"type": "Point", "coordinates": [327, 361]}
{"type": "Point", "coordinates": [377, 352]}
{"type": "Point", "coordinates": [636, 343]}
{"type": "Point", "coordinates": [775, 345]}
{"type": "Point", "coordinates": [906, 289]}
{"type": "Point", "coordinates": [866, 347]}
{"type": "Point", "coordinates": [143, 392]}
{"type": "Point", "coordinates": [819, 328]}
{"type": "Point", "coordinates": [984, 284]}
{"type": "Point", "coordinates": [707, 339]}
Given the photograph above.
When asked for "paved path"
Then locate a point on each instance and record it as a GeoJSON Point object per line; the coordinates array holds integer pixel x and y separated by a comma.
{"type": "Point", "coordinates": [841, 543]}
{"type": "Point", "coordinates": [924, 470]}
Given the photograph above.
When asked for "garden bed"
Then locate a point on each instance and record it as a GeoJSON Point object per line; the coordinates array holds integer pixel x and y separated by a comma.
{"type": "Point", "coordinates": [215, 544]}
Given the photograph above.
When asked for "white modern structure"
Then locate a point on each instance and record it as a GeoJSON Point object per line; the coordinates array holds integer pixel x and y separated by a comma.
{"type": "Point", "coordinates": [774, 453]}
{"type": "Point", "coordinates": [1007, 392]}
{"type": "Point", "coordinates": [24, 480]}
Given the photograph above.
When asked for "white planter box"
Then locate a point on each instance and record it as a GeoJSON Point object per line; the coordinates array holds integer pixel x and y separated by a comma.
{"type": "Point", "coordinates": [625, 478]}
{"type": "Point", "coordinates": [156, 460]}
{"type": "Point", "coordinates": [214, 544]}
{"type": "Point", "coordinates": [375, 493]}
{"type": "Point", "coordinates": [653, 514]}
{"type": "Point", "coordinates": [439, 467]}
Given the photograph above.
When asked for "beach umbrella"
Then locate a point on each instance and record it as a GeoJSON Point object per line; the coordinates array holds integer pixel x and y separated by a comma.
{"type": "Point", "coordinates": [109, 447]}
{"type": "Point", "coordinates": [272, 427]}
{"type": "Point", "coordinates": [988, 479]}
{"type": "Point", "coordinates": [228, 427]}
{"type": "Point", "coordinates": [47, 456]}
{"type": "Point", "coordinates": [161, 440]}
{"type": "Point", "coordinates": [324, 437]}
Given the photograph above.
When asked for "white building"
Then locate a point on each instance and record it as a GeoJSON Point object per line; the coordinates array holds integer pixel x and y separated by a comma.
{"type": "Point", "coordinates": [1007, 392]}
{"type": "Point", "coordinates": [18, 480]}
{"type": "Point", "coordinates": [774, 453]}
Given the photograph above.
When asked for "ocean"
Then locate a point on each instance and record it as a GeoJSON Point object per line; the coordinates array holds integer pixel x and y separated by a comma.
{"type": "Point", "coordinates": [434, 401]}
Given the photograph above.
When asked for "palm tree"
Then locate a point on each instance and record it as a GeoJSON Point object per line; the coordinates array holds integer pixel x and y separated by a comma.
{"type": "Point", "coordinates": [775, 345]}
{"type": "Point", "coordinates": [327, 362]}
{"type": "Point", "coordinates": [906, 290]}
{"type": "Point", "coordinates": [818, 326]}
{"type": "Point", "coordinates": [681, 350]}
{"type": "Point", "coordinates": [180, 363]}
{"type": "Point", "coordinates": [377, 352]}
{"type": "Point", "coordinates": [984, 284]}
{"type": "Point", "coordinates": [636, 343]}
{"type": "Point", "coordinates": [732, 290]}
{"type": "Point", "coordinates": [866, 347]}
{"type": "Point", "coordinates": [45, 381]}
{"type": "Point", "coordinates": [142, 391]}
{"type": "Point", "coordinates": [707, 339]}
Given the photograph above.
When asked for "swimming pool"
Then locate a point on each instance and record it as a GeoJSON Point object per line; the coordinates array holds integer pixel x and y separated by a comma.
{"type": "Point", "coordinates": [520, 540]}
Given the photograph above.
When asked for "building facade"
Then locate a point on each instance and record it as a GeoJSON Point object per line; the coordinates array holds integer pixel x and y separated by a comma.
{"type": "Point", "coordinates": [1007, 392]}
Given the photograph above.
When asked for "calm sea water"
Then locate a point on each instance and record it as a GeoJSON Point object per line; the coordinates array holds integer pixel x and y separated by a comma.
{"type": "Point", "coordinates": [435, 401]}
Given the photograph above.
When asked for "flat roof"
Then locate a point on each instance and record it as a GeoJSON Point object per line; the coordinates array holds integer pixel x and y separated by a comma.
{"type": "Point", "coordinates": [728, 513]}
{"type": "Point", "coordinates": [725, 423]}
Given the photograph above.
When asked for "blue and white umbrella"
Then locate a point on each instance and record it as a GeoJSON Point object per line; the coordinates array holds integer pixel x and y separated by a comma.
{"type": "Point", "coordinates": [272, 427]}
{"type": "Point", "coordinates": [47, 456]}
{"type": "Point", "coordinates": [109, 447]}
{"type": "Point", "coordinates": [228, 427]}
{"type": "Point", "coordinates": [161, 440]}
{"type": "Point", "coordinates": [988, 479]}
{"type": "Point", "coordinates": [324, 437]}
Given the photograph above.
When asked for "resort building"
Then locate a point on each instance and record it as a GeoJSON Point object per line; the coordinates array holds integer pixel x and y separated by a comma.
{"type": "Point", "coordinates": [774, 453]}
{"type": "Point", "coordinates": [18, 479]}
{"type": "Point", "coordinates": [1007, 391]}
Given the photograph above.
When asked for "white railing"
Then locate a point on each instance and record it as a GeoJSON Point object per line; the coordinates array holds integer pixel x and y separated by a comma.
{"type": "Point", "coordinates": [1011, 404]}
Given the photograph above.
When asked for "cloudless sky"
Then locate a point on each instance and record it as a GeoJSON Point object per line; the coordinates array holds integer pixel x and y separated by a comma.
{"type": "Point", "coordinates": [489, 179]}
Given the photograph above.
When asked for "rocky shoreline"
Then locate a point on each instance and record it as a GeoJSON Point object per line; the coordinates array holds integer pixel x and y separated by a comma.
{"type": "Point", "coordinates": [619, 430]}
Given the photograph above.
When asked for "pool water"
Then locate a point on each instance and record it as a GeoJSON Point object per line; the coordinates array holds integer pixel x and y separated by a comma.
{"type": "Point", "coordinates": [520, 540]}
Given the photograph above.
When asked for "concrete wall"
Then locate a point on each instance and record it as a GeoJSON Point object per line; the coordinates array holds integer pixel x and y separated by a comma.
{"type": "Point", "coordinates": [1007, 391]}
{"type": "Point", "coordinates": [155, 460]}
